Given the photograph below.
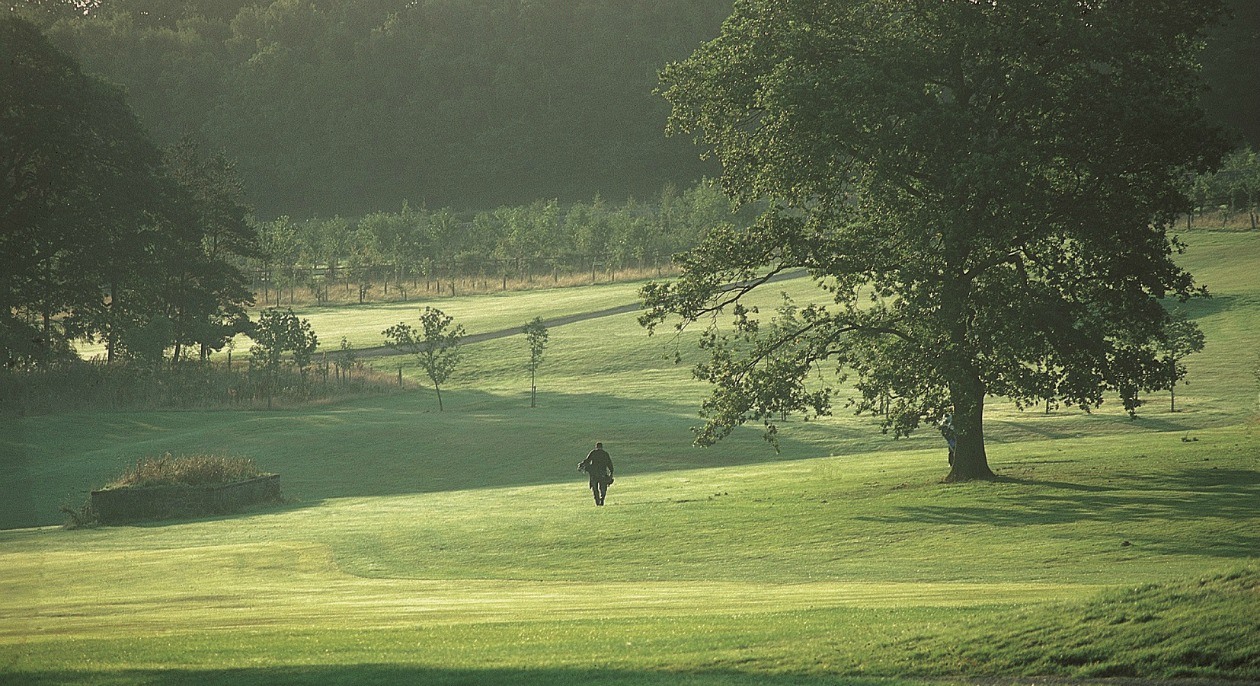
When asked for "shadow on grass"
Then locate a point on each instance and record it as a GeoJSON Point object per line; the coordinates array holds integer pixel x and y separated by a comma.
{"type": "Point", "coordinates": [401, 444]}
{"type": "Point", "coordinates": [390, 675]}
{"type": "Point", "coordinates": [263, 509]}
{"type": "Point", "coordinates": [486, 440]}
{"type": "Point", "coordinates": [396, 445]}
{"type": "Point", "coordinates": [1085, 425]}
{"type": "Point", "coordinates": [1193, 494]}
{"type": "Point", "coordinates": [1203, 307]}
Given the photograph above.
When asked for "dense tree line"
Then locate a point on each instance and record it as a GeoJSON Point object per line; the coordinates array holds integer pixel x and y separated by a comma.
{"type": "Point", "coordinates": [535, 242]}
{"type": "Point", "coordinates": [349, 107]}
{"type": "Point", "coordinates": [344, 108]}
{"type": "Point", "coordinates": [104, 235]}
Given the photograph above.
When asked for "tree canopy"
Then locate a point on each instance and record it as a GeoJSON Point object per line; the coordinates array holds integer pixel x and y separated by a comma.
{"type": "Point", "coordinates": [536, 336]}
{"type": "Point", "coordinates": [981, 189]}
{"type": "Point", "coordinates": [104, 235]}
{"type": "Point", "coordinates": [350, 107]}
{"type": "Point", "coordinates": [78, 170]}
{"type": "Point", "coordinates": [435, 345]}
{"type": "Point", "coordinates": [279, 331]}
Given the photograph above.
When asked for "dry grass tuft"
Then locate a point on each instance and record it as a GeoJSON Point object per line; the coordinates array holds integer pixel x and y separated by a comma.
{"type": "Point", "coordinates": [198, 470]}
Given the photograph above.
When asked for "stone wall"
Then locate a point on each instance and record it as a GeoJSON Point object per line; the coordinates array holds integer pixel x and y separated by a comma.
{"type": "Point", "coordinates": [117, 505]}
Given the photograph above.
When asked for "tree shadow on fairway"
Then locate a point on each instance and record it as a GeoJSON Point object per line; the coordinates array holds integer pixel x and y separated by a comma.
{"type": "Point", "coordinates": [1190, 495]}
{"type": "Point", "coordinates": [389, 445]}
{"type": "Point", "coordinates": [391, 675]}
{"type": "Point", "coordinates": [403, 445]}
{"type": "Point", "coordinates": [1203, 307]}
{"type": "Point", "coordinates": [1082, 425]}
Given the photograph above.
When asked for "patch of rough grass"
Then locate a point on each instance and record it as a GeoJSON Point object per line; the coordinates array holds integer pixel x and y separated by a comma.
{"type": "Point", "coordinates": [1204, 628]}
{"type": "Point", "coordinates": [196, 470]}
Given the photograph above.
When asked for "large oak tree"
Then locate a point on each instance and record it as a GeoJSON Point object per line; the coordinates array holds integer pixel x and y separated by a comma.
{"type": "Point", "coordinates": [982, 188]}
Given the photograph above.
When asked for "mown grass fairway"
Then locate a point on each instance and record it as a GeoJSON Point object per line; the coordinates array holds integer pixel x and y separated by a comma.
{"type": "Point", "coordinates": [462, 548]}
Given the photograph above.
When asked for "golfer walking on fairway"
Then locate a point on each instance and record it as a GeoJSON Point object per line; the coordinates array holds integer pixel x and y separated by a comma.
{"type": "Point", "coordinates": [599, 467]}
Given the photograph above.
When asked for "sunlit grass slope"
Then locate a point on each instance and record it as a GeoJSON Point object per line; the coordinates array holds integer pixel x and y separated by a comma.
{"type": "Point", "coordinates": [824, 564]}
{"type": "Point", "coordinates": [462, 546]}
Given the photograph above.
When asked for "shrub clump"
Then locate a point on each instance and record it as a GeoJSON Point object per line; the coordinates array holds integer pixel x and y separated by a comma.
{"type": "Point", "coordinates": [199, 470]}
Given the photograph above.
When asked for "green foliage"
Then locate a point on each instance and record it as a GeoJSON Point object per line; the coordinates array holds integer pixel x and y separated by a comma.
{"type": "Point", "coordinates": [982, 223]}
{"type": "Point", "coordinates": [190, 470]}
{"type": "Point", "coordinates": [435, 345]}
{"type": "Point", "coordinates": [1182, 337]}
{"type": "Point", "coordinates": [110, 239]}
{"type": "Point", "coordinates": [350, 108]}
{"type": "Point", "coordinates": [345, 359]}
{"type": "Point", "coordinates": [1232, 51]}
{"type": "Point", "coordinates": [199, 275]}
{"type": "Point", "coordinates": [80, 177]}
{"type": "Point", "coordinates": [279, 331]}
{"type": "Point", "coordinates": [523, 243]}
{"type": "Point", "coordinates": [758, 372]}
{"type": "Point", "coordinates": [324, 105]}
{"type": "Point", "coordinates": [1233, 188]}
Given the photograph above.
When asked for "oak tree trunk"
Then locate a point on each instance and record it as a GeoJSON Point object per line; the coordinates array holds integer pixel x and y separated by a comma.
{"type": "Point", "coordinates": [970, 460]}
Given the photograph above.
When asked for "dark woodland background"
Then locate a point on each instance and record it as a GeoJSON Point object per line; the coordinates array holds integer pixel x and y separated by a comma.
{"type": "Point", "coordinates": [347, 108]}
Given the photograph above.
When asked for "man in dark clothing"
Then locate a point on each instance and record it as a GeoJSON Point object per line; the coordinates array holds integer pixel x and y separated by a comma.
{"type": "Point", "coordinates": [598, 465]}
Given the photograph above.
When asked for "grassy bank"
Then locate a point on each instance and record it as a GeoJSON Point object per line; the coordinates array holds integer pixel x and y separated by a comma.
{"type": "Point", "coordinates": [824, 567]}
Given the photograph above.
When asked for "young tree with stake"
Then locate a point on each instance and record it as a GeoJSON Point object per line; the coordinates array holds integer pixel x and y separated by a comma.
{"type": "Point", "coordinates": [536, 334]}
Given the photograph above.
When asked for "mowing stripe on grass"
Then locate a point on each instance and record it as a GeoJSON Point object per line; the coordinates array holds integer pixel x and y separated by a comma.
{"type": "Point", "coordinates": [296, 586]}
